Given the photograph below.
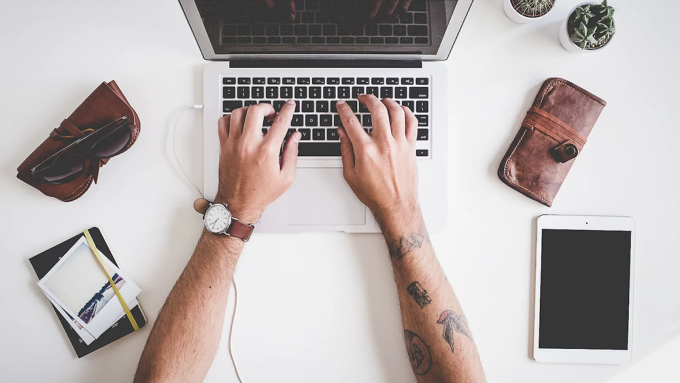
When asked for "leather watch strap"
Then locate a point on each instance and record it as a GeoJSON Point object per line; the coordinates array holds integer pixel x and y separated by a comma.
{"type": "Point", "coordinates": [240, 230]}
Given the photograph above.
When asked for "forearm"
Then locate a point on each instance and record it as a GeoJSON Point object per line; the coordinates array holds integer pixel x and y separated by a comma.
{"type": "Point", "coordinates": [438, 339]}
{"type": "Point", "coordinates": [186, 335]}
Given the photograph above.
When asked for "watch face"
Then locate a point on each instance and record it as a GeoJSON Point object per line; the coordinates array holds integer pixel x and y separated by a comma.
{"type": "Point", "coordinates": [217, 218]}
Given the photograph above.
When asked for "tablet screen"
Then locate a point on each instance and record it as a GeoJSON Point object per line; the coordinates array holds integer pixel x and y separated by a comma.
{"type": "Point", "coordinates": [585, 285]}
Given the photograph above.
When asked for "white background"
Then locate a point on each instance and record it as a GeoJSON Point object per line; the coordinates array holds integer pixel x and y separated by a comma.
{"type": "Point", "coordinates": [323, 307]}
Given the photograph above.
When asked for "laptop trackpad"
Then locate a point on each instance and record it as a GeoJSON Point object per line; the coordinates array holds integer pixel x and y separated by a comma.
{"type": "Point", "coordinates": [322, 197]}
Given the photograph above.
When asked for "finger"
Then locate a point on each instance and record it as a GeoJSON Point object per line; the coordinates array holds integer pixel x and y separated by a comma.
{"type": "Point", "coordinates": [348, 160]}
{"type": "Point", "coordinates": [289, 156]}
{"type": "Point", "coordinates": [349, 121]}
{"type": "Point", "coordinates": [236, 121]}
{"type": "Point", "coordinates": [223, 127]}
{"type": "Point", "coordinates": [397, 119]}
{"type": "Point", "coordinates": [375, 7]}
{"type": "Point", "coordinates": [403, 6]}
{"type": "Point", "coordinates": [391, 6]}
{"type": "Point", "coordinates": [292, 10]}
{"type": "Point", "coordinates": [381, 120]}
{"type": "Point", "coordinates": [281, 124]}
{"type": "Point", "coordinates": [411, 125]}
{"type": "Point", "coordinates": [270, 4]}
{"type": "Point", "coordinates": [255, 119]}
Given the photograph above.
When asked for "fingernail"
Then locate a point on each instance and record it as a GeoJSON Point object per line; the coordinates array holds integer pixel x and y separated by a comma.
{"type": "Point", "coordinates": [341, 133]}
{"type": "Point", "coordinates": [290, 102]}
{"type": "Point", "coordinates": [296, 137]}
{"type": "Point", "coordinates": [340, 102]}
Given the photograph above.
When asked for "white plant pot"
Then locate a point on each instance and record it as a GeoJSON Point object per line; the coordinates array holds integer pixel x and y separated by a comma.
{"type": "Point", "coordinates": [566, 41]}
{"type": "Point", "coordinates": [517, 17]}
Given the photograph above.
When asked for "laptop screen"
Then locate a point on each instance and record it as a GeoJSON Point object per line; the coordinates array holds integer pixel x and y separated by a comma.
{"type": "Point", "coordinates": [386, 27]}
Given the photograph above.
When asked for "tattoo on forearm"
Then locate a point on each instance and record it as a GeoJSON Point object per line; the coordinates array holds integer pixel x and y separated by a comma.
{"type": "Point", "coordinates": [404, 245]}
{"type": "Point", "coordinates": [419, 294]}
{"type": "Point", "coordinates": [418, 353]}
{"type": "Point", "coordinates": [451, 322]}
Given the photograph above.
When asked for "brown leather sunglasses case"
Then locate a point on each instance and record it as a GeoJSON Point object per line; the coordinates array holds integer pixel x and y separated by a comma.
{"type": "Point", "coordinates": [551, 137]}
{"type": "Point", "coordinates": [105, 105]}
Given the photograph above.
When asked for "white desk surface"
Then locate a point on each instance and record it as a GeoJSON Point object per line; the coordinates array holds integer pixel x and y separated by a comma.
{"type": "Point", "coordinates": [323, 307]}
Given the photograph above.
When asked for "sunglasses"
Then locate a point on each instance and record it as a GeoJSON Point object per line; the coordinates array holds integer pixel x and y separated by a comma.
{"type": "Point", "coordinates": [103, 143]}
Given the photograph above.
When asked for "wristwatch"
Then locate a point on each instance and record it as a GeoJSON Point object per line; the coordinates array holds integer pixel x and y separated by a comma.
{"type": "Point", "coordinates": [218, 220]}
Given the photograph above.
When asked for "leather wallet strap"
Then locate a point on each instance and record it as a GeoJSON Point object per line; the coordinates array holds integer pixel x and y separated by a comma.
{"type": "Point", "coordinates": [552, 126]}
{"type": "Point", "coordinates": [240, 230]}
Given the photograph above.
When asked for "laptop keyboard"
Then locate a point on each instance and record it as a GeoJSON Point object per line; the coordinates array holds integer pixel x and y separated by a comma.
{"type": "Point", "coordinates": [315, 23]}
{"type": "Point", "coordinates": [316, 115]}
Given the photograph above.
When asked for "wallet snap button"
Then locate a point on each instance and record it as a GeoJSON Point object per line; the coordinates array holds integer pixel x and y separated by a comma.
{"type": "Point", "coordinates": [566, 151]}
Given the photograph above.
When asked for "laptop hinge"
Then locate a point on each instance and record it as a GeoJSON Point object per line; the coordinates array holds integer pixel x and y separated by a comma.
{"type": "Point", "coordinates": [245, 63]}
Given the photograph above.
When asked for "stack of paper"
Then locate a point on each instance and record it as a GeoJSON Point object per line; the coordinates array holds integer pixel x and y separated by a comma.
{"type": "Point", "coordinates": [80, 290]}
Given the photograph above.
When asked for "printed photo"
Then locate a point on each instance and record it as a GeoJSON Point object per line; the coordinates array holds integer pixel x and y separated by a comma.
{"type": "Point", "coordinates": [78, 284]}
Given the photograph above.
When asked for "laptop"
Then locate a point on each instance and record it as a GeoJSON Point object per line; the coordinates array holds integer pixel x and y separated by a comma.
{"type": "Point", "coordinates": [329, 51]}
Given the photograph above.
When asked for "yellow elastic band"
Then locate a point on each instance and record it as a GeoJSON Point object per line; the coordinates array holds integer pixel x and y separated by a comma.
{"type": "Point", "coordinates": [113, 285]}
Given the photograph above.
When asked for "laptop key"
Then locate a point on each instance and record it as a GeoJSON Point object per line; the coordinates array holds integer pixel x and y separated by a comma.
{"type": "Point", "coordinates": [322, 106]}
{"type": "Point", "coordinates": [422, 81]}
{"type": "Point", "coordinates": [423, 135]}
{"type": "Point", "coordinates": [318, 134]}
{"type": "Point", "coordinates": [250, 103]}
{"type": "Point", "coordinates": [303, 81]}
{"type": "Point", "coordinates": [401, 92]}
{"type": "Point", "coordinates": [259, 81]}
{"type": "Point", "coordinates": [318, 40]}
{"type": "Point", "coordinates": [423, 120]}
{"type": "Point", "coordinates": [329, 92]}
{"type": "Point", "coordinates": [259, 40]}
{"type": "Point", "coordinates": [385, 30]}
{"type": "Point", "coordinates": [244, 80]}
{"type": "Point", "coordinates": [422, 152]}
{"type": "Point", "coordinates": [332, 135]}
{"type": "Point", "coordinates": [307, 106]}
{"type": "Point", "coordinates": [311, 120]}
{"type": "Point", "coordinates": [367, 120]}
{"type": "Point", "coordinates": [363, 108]}
{"type": "Point", "coordinates": [417, 30]}
{"type": "Point", "coordinates": [300, 92]}
{"type": "Point", "coordinates": [298, 120]}
{"type": "Point", "coordinates": [303, 40]}
{"type": "Point", "coordinates": [319, 149]}
{"type": "Point", "coordinates": [228, 81]}
{"type": "Point", "coordinates": [348, 81]}
{"type": "Point", "coordinates": [230, 106]}
{"type": "Point", "coordinates": [406, 40]}
{"type": "Point", "coordinates": [289, 81]}
{"type": "Point", "coordinates": [420, 18]}
{"type": "Point", "coordinates": [288, 40]}
{"type": "Point", "coordinates": [278, 105]}
{"type": "Point", "coordinates": [333, 81]}
{"type": "Point", "coordinates": [343, 92]}
{"type": "Point", "coordinates": [326, 120]}
{"type": "Point", "coordinates": [421, 40]}
{"type": "Point", "coordinates": [422, 107]}
{"type": "Point", "coordinates": [334, 107]}
{"type": "Point", "coordinates": [409, 104]}
{"type": "Point", "coordinates": [378, 81]}
{"type": "Point", "coordinates": [418, 92]}
{"type": "Point", "coordinates": [377, 40]}
{"type": "Point", "coordinates": [407, 81]}
{"type": "Point", "coordinates": [399, 30]}
{"type": "Point", "coordinates": [287, 92]}
{"type": "Point", "coordinates": [273, 40]}
{"type": "Point", "coordinates": [258, 92]}
{"type": "Point", "coordinates": [386, 92]}
{"type": "Point", "coordinates": [306, 134]}
{"type": "Point", "coordinates": [229, 92]}
{"type": "Point", "coordinates": [374, 90]}
{"type": "Point", "coordinates": [300, 30]}
{"type": "Point", "coordinates": [287, 30]}
{"type": "Point", "coordinates": [352, 105]}
{"type": "Point", "coordinates": [337, 121]}
{"type": "Point", "coordinates": [272, 92]}
{"type": "Point", "coordinates": [315, 30]}
{"type": "Point", "coordinates": [391, 40]}
{"type": "Point", "coordinates": [273, 81]}
{"type": "Point", "coordinates": [289, 133]}
{"type": "Point", "coordinates": [392, 81]}
{"type": "Point", "coordinates": [333, 40]}
{"type": "Point", "coordinates": [357, 90]}
{"type": "Point", "coordinates": [318, 81]}
{"type": "Point", "coordinates": [267, 122]}
{"type": "Point", "coordinates": [363, 81]}
{"type": "Point", "coordinates": [243, 92]}
{"type": "Point", "coordinates": [315, 92]}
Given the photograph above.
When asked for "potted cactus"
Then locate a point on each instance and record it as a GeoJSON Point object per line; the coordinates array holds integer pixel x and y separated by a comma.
{"type": "Point", "coordinates": [589, 27]}
{"type": "Point", "coordinates": [524, 11]}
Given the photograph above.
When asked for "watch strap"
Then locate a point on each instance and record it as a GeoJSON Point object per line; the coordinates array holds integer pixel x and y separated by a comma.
{"type": "Point", "coordinates": [240, 230]}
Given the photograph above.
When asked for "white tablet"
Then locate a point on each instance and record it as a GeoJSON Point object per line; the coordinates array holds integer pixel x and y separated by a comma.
{"type": "Point", "coordinates": [584, 289]}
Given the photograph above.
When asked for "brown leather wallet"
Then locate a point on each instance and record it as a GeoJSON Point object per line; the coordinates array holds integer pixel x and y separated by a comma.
{"type": "Point", "coordinates": [105, 105]}
{"type": "Point", "coordinates": [552, 135]}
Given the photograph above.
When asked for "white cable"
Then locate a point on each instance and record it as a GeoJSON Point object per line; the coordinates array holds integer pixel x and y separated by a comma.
{"type": "Point", "coordinates": [174, 151]}
{"type": "Point", "coordinates": [233, 280]}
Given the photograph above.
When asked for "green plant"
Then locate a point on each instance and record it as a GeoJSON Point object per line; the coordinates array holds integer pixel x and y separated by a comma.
{"type": "Point", "coordinates": [533, 8]}
{"type": "Point", "coordinates": [592, 25]}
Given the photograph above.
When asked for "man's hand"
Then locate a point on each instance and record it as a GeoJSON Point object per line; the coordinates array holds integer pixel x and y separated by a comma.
{"type": "Point", "coordinates": [251, 175]}
{"type": "Point", "coordinates": [390, 7]}
{"type": "Point", "coordinates": [381, 167]}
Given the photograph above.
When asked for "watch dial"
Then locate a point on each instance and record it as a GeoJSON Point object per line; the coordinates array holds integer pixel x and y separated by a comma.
{"type": "Point", "coordinates": [217, 218]}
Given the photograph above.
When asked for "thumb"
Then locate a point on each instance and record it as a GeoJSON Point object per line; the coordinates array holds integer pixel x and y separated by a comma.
{"type": "Point", "coordinates": [289, 156]}
{"type": "Point", "coordinates": [347, 151]}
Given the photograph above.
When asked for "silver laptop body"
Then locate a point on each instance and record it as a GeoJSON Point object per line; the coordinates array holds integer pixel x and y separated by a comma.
{"type": "Point", "coordinates": [316, 60]}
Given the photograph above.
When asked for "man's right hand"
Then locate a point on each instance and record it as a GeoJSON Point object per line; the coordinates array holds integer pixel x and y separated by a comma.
{"type": "Point", "coordinates": [381, 167]}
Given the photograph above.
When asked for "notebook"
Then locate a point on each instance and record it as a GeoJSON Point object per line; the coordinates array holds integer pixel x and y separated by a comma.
{"type": "Point", "coordinates": [43, 263]}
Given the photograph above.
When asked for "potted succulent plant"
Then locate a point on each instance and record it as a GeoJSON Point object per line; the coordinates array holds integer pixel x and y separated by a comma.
{"type": "Point", "coordinates": [589, 27]}
{"type": "Point", "coordinates": [524, 11]}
